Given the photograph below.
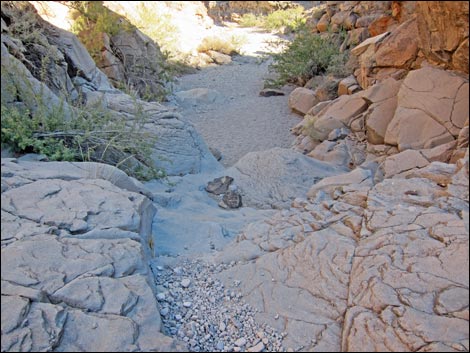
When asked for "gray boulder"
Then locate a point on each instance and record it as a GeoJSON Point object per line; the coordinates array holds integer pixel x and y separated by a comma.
{"type": "Point", "coordinates": [273, 178]}
{"type": "Point", "coordinates": [75, 242]}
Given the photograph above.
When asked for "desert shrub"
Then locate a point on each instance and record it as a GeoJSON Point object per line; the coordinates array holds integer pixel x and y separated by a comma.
{"type": "Point", "coordinates": [229, 46]}
{"type": "Point", "coordinates": [157, 26]}
{"type": "Point", "coordinates": [90, 20]}
{"type": "Point", "coordinates": [290, 20]}
{"type": "Point", "coordinates": [306, 56]}
{"type": "Point", "coordinates": [250, 20]}
{"type": "Point", "coordinates": [89, 134]}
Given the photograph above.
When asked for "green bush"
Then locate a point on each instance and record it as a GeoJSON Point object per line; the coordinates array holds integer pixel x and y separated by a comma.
{"type": "Point", "coordinates": [306, 56]}
{"type": "Point", "coordinates": [90, 134]}
{"type": "Point", "coordinates": [90, 20]}
{"type": "Point", "coordinates": [251, 20]}
{"type": "Point", "coordinates": [290, 20]}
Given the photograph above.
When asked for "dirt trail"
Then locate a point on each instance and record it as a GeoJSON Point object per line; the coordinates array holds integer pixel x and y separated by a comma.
{"type": "Point", "coordinates": [239, 121]}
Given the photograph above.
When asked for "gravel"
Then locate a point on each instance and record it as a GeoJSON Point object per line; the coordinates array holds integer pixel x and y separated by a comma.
{"type": "Point", "coordinates": [208, 316]}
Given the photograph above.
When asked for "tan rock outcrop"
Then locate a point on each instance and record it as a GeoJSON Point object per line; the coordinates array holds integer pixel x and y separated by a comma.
{"type": "Point", "coordinates": [443, 32]}
{"type": "Point", "coordinates": [301, 100]}
{"type": "Point", "coordinates": [431, 109]}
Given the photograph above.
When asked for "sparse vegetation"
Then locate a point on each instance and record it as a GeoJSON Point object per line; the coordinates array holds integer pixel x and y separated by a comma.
{"type": "Point", "coordinates": [290, 20]}
{"type": "Point", "coordinates": [306, 56]}
{"type": "Point", "coordinates": [89, 134]}
{"type": "Point", "coordinates": [230, 46]}
{"type": "Point", "coordinates": [91, 20]}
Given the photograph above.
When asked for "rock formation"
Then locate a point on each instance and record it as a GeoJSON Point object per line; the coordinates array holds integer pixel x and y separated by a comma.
{"type": "Point", "coordinates": [75, 244]}
{"type": "Point", "coordinates": [360, 239]}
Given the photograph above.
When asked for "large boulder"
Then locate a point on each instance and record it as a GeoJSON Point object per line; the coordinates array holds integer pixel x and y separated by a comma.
{"type": "Point", "coordinates": [301, 100]}
{"type": "Point", "coordinates": [273, 178]}
{"type": "Point", "coordinates": [131, 58]}
{"type": "Point", "coordinates": [178, 149]}
{"type": "Point", "coordinates": [431, 109]}
{"type": "Point", "coordinates": [382, 98]}
{"type": "Point", "coordinates": [74, 260]}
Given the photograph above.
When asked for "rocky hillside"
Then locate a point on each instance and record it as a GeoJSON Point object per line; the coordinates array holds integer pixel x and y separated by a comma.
{"type": "Point", "coordinates": [357, 239]}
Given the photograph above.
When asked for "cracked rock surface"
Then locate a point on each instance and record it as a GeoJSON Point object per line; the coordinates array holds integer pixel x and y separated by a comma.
{"type": "Point", "coordinates": [364, 266]}
{"type": "Point", "coordinates": [74, 273]}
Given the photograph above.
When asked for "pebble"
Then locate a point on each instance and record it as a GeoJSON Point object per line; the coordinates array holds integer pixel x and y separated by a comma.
{"type": "Point", "coordinates": [222, 327]}
{"type": "Point", "coordinates": [257, 348]}
{"type": "Point", "coordinates": [206, 316]}
{"type": "Point", "coordinates": [240, 342]}
{"type": "Point", "coordinates": [220, 346]}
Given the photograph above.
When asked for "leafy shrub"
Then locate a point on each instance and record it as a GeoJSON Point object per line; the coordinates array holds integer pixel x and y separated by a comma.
{"type": "Point", "coordinates": [291, 20]}
{"type": "Point", "coordinates": [91, 20]}
{"type": "Point", "coordinates": [90, 134]}
{"type": "Point", "coordinates": [306, 56]}
{"type": "Point", "coordinates": [251, 20]}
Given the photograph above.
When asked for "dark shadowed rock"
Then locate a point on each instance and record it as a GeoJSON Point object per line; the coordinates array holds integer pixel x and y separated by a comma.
{"type": "Point", "coordinates": [231, 199]}
{"type": "Point", "coordinates": [219, 186]}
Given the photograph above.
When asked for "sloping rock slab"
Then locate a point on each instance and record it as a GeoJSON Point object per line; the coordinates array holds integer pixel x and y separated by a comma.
{"type": "Point", "coordinates": [273, 178]}
{"type": "Point", "coordinates": [74, 274]}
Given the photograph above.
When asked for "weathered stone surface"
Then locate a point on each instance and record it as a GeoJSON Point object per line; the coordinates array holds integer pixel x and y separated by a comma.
{"type": "Point", "coordinates": [231, 199]}
{"type": "Point", "coordinates": [443, 30]}
{"type": "Point", "coordinates": [378, 117]}
{"type": "Point", "coordinates": [397, 249]}
{"type": "Point", "coordinates": [219, 58]}
{"type": "Point", "coordinates": [322, 25]}
{"type": "Point", "coordinates": [179, 149]}
{"type": "Point", "coordinates": [373, 41]}
{"type": "Point", "coordinates": [339, 114]}
{"type": "Point", "coordinates": [382, 91]}
{"type": "Point", "coordinates": [431, 109]}
{"type": "Point", "coordinates": [196, 96]}
{"type": "Point", "coordinates": [64, 292]}
{"type": "Point", "coordinates": [301, 100]}
{"type": "Point", "coordinates": [345, 153]}
{"type": "Point", "coordinates": [400, 47]}
{"type": "Point", "coordinates": [219, 186]}
{"type": "Point", "coordinates": [345, 85]}
{"type": "Point", "coordinates": [381, 25]}
{"type": "Point", "coordinates": [460, 57]}
{"type": "Point", "coordinates": [273, 178]}
{"type": "Point", "coordinates": [357, 176]}
{"type": "Point", "coordinates": [433, 244]}
{"type": "Point", "coordinates": [402, 162]}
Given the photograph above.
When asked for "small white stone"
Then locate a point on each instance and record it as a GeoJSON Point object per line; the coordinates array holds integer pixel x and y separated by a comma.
{"type": "Point", "coordinates": [257, 348]}
{"type": "Point", "coordinates": [240, 342]}
{"type": "Point", "coordinates": [222, 327]}
{"type": "Point", "coordinates": [185, 283]}
{"type": "Point", "coordinates": [187, 304]}
{"type": "Point", "coordinates": [161, 296]}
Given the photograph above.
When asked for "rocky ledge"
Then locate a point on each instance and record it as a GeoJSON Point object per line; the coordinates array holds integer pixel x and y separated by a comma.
{"type": "Point", "coordinates": [363, 265]}
{"type": "Point", "coordinates": [75, 243]}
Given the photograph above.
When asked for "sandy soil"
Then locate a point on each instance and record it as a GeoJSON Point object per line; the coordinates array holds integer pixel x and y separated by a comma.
{"type": "Point", "coordinates": [241, 121]}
